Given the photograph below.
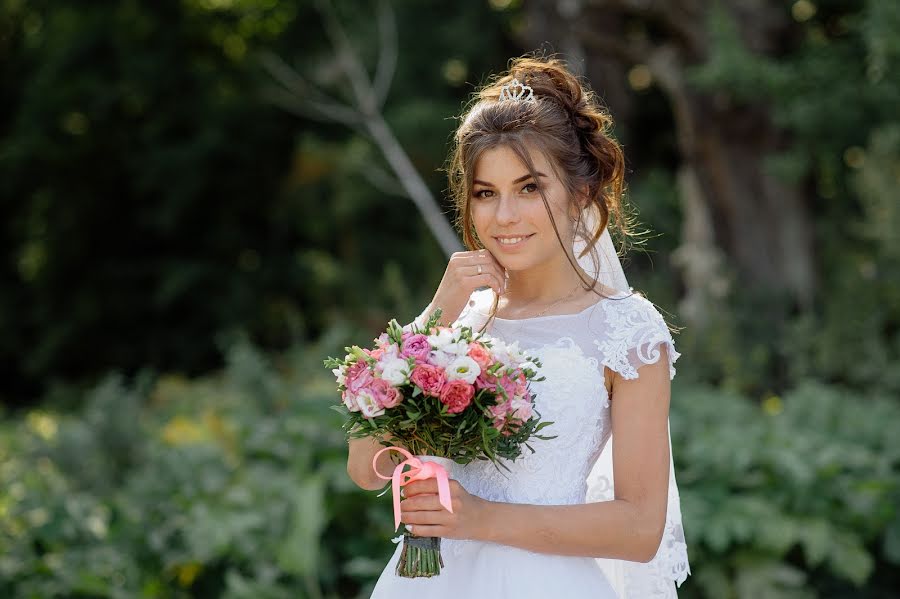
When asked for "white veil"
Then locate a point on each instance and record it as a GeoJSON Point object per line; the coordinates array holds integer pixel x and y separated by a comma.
{"type": "Point", "coordinates": [632, 580]}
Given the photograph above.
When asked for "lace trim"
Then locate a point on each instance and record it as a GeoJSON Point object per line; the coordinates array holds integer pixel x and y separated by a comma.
{"type": "Point", "coordinates": [636, 330]}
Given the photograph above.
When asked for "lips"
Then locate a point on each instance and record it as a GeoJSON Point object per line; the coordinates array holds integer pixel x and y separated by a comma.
{"type": "Point", "coordinates": [504, 241]}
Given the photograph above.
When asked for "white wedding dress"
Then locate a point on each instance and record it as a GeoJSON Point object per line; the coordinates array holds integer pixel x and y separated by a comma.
{"type": "Point", "coordinates": [622, 332]}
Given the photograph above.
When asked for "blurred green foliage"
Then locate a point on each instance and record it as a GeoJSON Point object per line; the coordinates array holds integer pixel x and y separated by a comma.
{"type": "Point", "coordinates": [833, 88]}
{"type": "Point", "coordinates": [153, 204]}
{"type": "Point", "coordinates": [234, 485]}
{"type": "Point", "coordinates": [159, 216]}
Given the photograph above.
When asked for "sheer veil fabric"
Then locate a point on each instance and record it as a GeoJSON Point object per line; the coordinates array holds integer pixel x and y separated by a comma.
{"type": "Point", "coordinates": [658, 577]}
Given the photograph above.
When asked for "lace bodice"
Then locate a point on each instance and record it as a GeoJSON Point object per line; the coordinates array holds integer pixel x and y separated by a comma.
{"type": "Point", "coordinates": [622, 332]}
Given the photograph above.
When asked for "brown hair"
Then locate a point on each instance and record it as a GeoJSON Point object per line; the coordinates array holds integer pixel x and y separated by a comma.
{"type": "Point", "coordinates": [569, 127]}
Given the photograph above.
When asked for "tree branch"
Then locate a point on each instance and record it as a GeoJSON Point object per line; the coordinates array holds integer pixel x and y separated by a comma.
{"type": "Point", "coordinates": [387, 55]}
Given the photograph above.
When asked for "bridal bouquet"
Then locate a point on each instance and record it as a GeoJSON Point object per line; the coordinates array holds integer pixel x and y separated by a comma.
{"type": "Point", "coordinates": [442, 392]}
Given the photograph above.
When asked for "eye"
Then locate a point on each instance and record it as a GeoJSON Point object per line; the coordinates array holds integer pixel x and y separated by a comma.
{"type": "Point", "coordinates": [531, 185]}
{"type": "Point", "coordinates": [478, 193]}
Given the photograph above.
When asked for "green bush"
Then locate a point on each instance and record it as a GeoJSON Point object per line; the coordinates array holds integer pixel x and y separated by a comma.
{"type": "Point", "coordinates": [228, 486]}
{"type": "Point", "coordinates": [235, 486]}
{"type": "Point", "coordinates": [793, 497]}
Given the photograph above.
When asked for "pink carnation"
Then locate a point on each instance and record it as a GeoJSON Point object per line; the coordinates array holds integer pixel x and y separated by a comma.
{"type": "Point", "coordinates": [457, 395]}
{"type": "Point", "coordinates": [430, 379]}
{"type": "Point", "coordinates": [509, 385]}
{"type": "Point", "coordinates": [520, 410]}
{"type": "Point", "coordinates": [485, 381]}
{"type": "Point", "coordinates": [500, 410]}
{"type": "Point", "coordinates": [376, 353]}
{"type": "Point", "coordinates": [358, 376]}
{"type": "Point", "coordinates": [521, 383]}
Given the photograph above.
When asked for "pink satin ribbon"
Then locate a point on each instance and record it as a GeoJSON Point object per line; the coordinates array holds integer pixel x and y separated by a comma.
{"type": "Point", "coordinates": [420, 471]}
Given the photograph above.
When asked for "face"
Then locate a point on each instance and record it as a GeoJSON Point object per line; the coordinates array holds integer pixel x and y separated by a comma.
{"type": "Point", "coordinates": [509, 214]}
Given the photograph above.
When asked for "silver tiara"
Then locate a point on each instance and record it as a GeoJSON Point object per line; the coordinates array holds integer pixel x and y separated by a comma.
{"type": "Point", "coordinates": [516, 92]}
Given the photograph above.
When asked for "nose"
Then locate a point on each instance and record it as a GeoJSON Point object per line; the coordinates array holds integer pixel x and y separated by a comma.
{"type": "Point", "coordinates": [507, 210]}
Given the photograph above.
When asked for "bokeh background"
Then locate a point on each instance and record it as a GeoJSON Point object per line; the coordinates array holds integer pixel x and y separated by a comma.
{"type": "Point", "coordinates": [202, 199]}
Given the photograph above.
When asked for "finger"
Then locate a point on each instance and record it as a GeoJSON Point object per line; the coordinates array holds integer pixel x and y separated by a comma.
{"type": "Point", "coordinates": [425, 530]}
{"type": "Point", "coordinates": [485, 255]}
{"type": "Point", "coordinates": [421, 486]}
{"type": "Point", "coordinates": [487, 279]}
{"type": "Point", "coordinates": [422, 503]}
{"type": "Point", "coordinates": [425, 518]}
{"type": "Point", "coordinates": [485, 258]}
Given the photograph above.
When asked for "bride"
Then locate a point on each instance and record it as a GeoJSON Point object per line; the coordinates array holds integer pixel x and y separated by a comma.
{"type": "Point", "coordinates": [537, 179]}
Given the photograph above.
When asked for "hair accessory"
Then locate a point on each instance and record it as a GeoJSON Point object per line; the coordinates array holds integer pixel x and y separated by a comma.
{"type": "Point", "coordinates": [516, 92]}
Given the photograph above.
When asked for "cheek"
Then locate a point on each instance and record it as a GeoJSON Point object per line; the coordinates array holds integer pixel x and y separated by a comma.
{"type": "Point", "coordinates": [480, 217]}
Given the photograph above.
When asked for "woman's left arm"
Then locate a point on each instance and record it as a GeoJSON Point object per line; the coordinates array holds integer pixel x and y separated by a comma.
{"type": "Point", "coordinates": [628, 527]}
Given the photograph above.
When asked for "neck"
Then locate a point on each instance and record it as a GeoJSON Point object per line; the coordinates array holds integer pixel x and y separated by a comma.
{"type": "Point", "coordinates": [543, 283]}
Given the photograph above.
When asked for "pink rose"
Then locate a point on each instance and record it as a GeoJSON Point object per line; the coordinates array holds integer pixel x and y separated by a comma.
{"type": "Point", "coordinates": [385, 393]}
{"type": "Point", "coordinates": [457, 395]}
{"type": "Point", "coordinates": [416, 346]}
{"type": "Point", "coordinates": [430, 379]}
{"type": "Point", "coordinates": [392, 398]}
{"type": "Point", "coordinates": [481, 355]}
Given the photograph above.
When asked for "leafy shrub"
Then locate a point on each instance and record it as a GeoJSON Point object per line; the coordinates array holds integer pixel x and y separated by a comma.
{"type": "Point", "coordinates": [793, 497]}
{"type": "Point", "coordinates": [235, 486]}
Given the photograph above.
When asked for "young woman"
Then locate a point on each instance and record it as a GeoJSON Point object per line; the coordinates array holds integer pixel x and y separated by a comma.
{"type": "Point", "coordinates": [536, 175]}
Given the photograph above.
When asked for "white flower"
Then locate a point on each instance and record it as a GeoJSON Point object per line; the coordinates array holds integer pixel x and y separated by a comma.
{"type": "Point", "coordinates": [339, 375]}
{"type": "Point", "coordinates": [459, 348]}
{"type": "Point", "coordinates": [516, 355]}
{"type": "Point", "coordinates": [350, 401]}
{"type": "Point", "coordinates": [440, 358]}
{"type": "Point", "coordinates": [368, 404]}
{"type": "Point", "coordinates": [441, 339]}
{"type": "Point", "coordinates": [395, 370]}
{"type": "Point", "coordinates": [463, 368]}
{"type": "Point", "coordinates": [500, 351]}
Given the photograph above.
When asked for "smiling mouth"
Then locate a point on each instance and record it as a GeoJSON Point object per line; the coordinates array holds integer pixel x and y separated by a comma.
{"type": "Point", "coordinates": [513, 241]}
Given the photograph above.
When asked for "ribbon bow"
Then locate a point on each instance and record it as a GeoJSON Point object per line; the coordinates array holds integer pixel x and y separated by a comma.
{"type": "Point", "coordinates": [420, 471]}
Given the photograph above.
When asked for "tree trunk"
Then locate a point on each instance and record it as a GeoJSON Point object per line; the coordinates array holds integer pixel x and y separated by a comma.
{"type": "Point", "coordinates": [760, 224]}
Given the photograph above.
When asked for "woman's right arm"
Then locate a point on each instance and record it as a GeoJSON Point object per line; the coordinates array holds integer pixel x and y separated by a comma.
{"type": "Point", "coordinates": [359, 462]}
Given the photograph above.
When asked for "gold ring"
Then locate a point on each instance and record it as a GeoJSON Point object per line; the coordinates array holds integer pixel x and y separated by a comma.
{"type": "Point", "coordinates": [479, 269]}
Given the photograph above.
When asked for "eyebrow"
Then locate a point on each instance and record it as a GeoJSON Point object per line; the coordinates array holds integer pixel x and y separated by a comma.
{"type": "Point", "coordinates": [519, 180]}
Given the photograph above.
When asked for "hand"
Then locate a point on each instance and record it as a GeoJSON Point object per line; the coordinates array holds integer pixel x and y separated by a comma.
{"type": "Point", "coordinates": [422, 510]}
{"type": "Point", "coordinates": [461, 278]}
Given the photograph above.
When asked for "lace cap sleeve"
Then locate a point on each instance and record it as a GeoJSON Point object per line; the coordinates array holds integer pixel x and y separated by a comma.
{"type": "Point", "coordinates": [633, 337]}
